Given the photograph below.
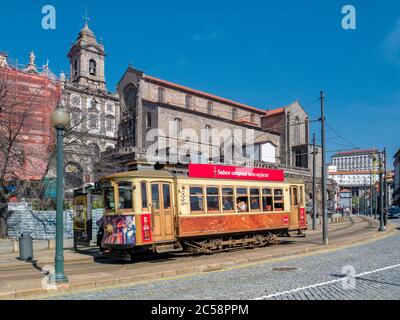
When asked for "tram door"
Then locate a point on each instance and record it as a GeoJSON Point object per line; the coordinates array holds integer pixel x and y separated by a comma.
{"type": "Point", "coordinates": [162, 211]}
{"type": "Point", "coordinates": [294, 203]}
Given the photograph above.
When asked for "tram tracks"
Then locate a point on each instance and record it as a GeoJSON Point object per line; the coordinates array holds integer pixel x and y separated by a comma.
{"type": "Point", "coordinates": [147, 261]}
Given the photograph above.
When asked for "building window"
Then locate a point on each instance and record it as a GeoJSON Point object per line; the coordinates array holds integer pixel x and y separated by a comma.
{"type": "Point", "coordinates": [75, 67]}
{"type": "Point", "coordinates": [148, 120]}
{"type": "Point", "coordinates": [75, 118]}
{"type": "Point", "coordinates": [161, 95]}
{"type": "Point", "coordinates": [297, 132]}
{"type": "Point", "coordinates": [253, 118]}
{"type": "Point", "coordinates": [234, 114]}
{"type": "Point", "coordinates": [110, 107]}
{"type": "Point", "coordinates": [210, 107]}
{"type": "Point", "coordinates": [208, 134]}
{"type": "Point", "coordinates": [188, 102]}
{"type": "Point", "coordinates": [109, 124]}
{"type": "Point", "coordinates": [178, 123]}
{"type": "Point", "coordinates": [92, 121]}
{"type": "Point", "coordinates": [75, 101]}
{"type": "Point", "coordinates": [92, 67]}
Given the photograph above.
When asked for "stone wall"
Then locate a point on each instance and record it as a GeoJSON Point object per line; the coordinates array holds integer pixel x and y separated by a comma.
{"type": "Point", "coordinates": [41, 225]}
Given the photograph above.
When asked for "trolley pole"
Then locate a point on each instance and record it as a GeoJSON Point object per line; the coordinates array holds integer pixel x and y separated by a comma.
{"type": "Point", "coordinates": [324, 184]}
{"type": "Point", "coordinates": [381, 224]}
{"type": "Point", "coordinates": [314, 187]}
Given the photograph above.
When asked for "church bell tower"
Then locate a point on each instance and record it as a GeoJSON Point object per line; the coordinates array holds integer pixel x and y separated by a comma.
{"type": "Point", "coordinates": [87, 60]}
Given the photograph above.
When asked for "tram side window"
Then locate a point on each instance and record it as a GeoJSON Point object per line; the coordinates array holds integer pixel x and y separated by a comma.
{"type": "Point", "coordinates": [125, 191]}
{"type": "Point", "coordinates": [167, 196]}
{"type": "Point", "coordinates": [212, 199]}
{"type": "Point", "coordinates": [109, 201]}
{"type": "Point", "coordinates": [196, 199]}
{"type": "Point", "coordinates": [143, 189]}
{"type": "Point", "coordinates": [268, 203]}
{"type": "Point", "coordinates": [155, 197]}
{"type": "Point", "coordinates": [242, 200]}
{"type": "Point", "coordinates": [228, 200]}
{"type": "Point", "coordinates": [254, 199]}
{"type": "Point", "coordinates": [295, 197]}
{"type": "Point", "coordinates": [278, 200]}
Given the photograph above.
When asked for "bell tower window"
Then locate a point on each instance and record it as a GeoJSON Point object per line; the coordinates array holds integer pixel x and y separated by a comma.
{"type": "Point", "coordinates": [92, 67]}
{"type": "Point", "coordinates": [75, 67]}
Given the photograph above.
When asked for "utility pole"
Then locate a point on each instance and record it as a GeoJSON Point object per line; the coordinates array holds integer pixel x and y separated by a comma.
{"type": "Point", "coordinates": [324, 184]}
{"type": "Point", "coordinates": [314, 186]}
{"type": "Point", "coordinates": [370, 191]}
{"type": "Point", "coordinates": [381, 224]}
{"type": "Point", "coordinates": [385, 187]}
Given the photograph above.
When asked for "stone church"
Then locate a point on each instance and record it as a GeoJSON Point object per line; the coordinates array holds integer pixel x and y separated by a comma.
{"type": "Point", "coordinates": [93, 109]}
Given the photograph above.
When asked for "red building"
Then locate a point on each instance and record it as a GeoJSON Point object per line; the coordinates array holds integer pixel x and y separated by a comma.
{"type": "Point", "coordinates": [27, 98]}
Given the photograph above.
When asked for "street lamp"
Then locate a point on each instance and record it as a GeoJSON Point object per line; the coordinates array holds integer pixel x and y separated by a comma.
{"type": "Point", "coordinates": [60, 120]}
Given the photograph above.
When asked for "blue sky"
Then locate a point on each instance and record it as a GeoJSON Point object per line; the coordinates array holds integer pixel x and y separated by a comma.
{"type": "Point", "coordinates": [262, 53]}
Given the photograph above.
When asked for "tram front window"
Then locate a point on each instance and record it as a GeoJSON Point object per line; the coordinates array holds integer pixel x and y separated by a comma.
{"type": "Point", "coordinates": [125, 195]}
{"type": "Point", "coordinates": [109, 201]}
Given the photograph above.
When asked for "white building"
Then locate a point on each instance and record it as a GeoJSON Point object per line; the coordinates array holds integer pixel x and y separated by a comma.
{"type": "Point", "coordinates": [355, 170]}
{"type": "Point", "coordinates": [356, 160]}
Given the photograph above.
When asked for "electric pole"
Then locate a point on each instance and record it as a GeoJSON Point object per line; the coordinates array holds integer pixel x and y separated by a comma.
{"type": "Point", "coordinates": [381, 225]}
{"type": "Point", "coordinates": [314, 187]}
{"type": "Point", "coordinates": [385, 188]}
{"type": "Point", "coordinates": [324, 184]}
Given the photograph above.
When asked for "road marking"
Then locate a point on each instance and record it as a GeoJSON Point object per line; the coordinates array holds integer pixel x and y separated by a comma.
{"type": "Point", "coordinates": [324, 283]}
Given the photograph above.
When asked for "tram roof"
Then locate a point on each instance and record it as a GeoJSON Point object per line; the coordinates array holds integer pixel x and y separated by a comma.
{"type": "Point", "coordinates": [169, 174]}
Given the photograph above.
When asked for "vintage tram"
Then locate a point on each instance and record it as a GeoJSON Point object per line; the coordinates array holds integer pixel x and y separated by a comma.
{"type": "Point", "coordinates": [212, 208]}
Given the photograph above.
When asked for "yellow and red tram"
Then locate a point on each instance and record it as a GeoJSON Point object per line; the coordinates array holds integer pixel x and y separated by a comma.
{"type": "Point", "coordinates": [213, 208]}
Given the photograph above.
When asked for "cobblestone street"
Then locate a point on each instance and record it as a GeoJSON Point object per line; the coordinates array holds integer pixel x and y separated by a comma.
{"type": "Point", "coordinates": [372, 270]}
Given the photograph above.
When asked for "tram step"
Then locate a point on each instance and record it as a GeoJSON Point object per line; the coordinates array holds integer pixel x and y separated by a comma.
{"type": "Point", "coordinates": [168, 247]}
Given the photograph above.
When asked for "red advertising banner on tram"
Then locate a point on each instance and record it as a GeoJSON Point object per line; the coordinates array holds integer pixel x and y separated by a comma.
{"type": "Point", "coordinates": [231, 172]}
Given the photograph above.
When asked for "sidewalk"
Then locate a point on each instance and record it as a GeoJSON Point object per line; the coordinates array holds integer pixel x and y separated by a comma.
{"type": "Point", "coordinates": [7, 245]}
{"type": "Point", "coordinates": [20, 280]}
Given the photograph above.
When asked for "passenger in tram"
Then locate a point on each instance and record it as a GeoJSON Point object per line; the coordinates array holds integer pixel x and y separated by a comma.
{"type": "Point", "coordinates": [255, 203]}
{"type": "Point", "coordinates": [228, 203]}
{"type": "Point", "coordinates": [242, 204]}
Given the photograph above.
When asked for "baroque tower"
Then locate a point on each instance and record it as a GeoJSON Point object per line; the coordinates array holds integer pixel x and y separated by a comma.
{"type": "Point", "coordinates": [87, 60]}
{"type": "Point", "coordinates": [93, 109]}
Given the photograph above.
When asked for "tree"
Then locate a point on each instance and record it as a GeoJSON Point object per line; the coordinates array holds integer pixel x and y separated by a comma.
{"type": "Point", "coordinates": [27, 139]}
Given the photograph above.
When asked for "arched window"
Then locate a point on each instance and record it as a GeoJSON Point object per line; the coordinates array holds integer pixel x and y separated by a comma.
{"type": "Point", "coordinates": [234, 114]}
{"type": "Point", "coordinates": [161, 95]}
{"type": "Point", "coordinates": [148, 120]}
{"type": "Point", "coordinates": [75, 117]}
{"type": "Point", "coordinates": [93, 119]}
{"type": "Point", "coordinates": [75, 67]}
{"type": "Point", "coordinates": [110, 123]}
{"type": "Point", "coordinates": [208, 133]}
{"type": "Point", "coordinates": [178, 123]}
{"type": "Point", "coordinates": [297, 132]}
{"type": "Point", "coordinates": [92, 67]}
{"type": "Point", "coordinates": [210, 107]}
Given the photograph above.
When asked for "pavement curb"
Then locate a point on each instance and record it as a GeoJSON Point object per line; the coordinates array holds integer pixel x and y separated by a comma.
{"type": "Point", "coordinates": [185, 271]}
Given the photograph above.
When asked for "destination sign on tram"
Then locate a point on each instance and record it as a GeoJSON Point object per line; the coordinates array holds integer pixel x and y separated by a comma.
{"type": "Point", "coordinates": [232, 172]}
